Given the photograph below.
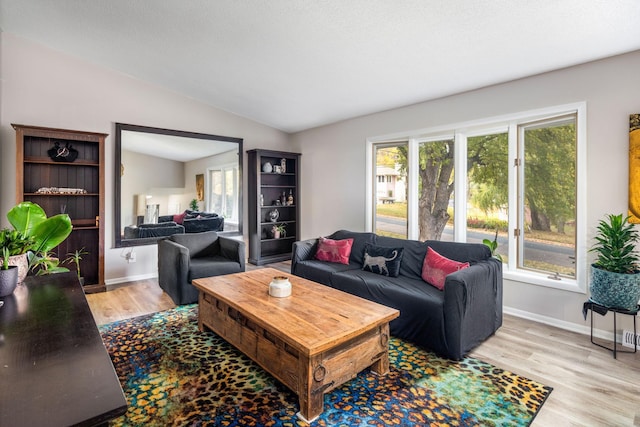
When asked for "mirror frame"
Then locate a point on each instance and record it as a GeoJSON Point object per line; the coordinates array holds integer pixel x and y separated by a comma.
{"type": "Point", "coordinates": [122, 243]}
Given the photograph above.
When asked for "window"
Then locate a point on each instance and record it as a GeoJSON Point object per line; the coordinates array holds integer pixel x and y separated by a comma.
{"type": "Point", "coordinates": [514, 179]}
{"type": "Point", "coordinates": [488, 189]}
{"type": "Point", "coordinates": [547, 211]}
{"type": "Point", "coordinates": [390, 208]}
{"type": "Point", "coordinates": [223, 191]}
{"type": "Point", "coordinates": [435, 189]}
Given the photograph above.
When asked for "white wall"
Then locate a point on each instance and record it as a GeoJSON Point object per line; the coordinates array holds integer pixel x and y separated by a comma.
{"type": "Point", "coordinates": [333, 157]}
{"type": "Point", "coordinates": [43, 87]}
{"type": "Point", "coordinates": [141, 178]}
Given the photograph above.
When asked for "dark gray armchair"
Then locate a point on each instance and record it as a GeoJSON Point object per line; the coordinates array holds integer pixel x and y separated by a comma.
{"type": "Point", "coordinates": [184, 257]}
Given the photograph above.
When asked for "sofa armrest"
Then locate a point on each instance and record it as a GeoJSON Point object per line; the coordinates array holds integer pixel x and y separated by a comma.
{"type": "Point", "coordinates": [233, 249]}
{"type": "Point", "coordinates": [173, 263]}
{"type": "Point", "coordinates": [303, 250]}
{"type": "Point", "coordinates": [472, 305]}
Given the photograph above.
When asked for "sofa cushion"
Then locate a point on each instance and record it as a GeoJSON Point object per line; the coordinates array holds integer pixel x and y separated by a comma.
{"type": "Point", "coordinates": [334, 250]}
{"type": "Point", "coordinates": [412, 256]}
{"type": "Point", "coordinates": [179, 218]}
{"type": "Point", "coordinates": [158, 225]}
{"type": "Point", "coordinates": [320, 271]}
{"type": "Point", "coordinates": [199, 244]}
{"type": "Point", "coordinates": [199, 225]}
{"type": "Point", "coordinates": [216, 265]}
{"type": "Point", "coordinates": [382, 260]}
{"type": "Point", "coordinates": [436, 268]}
{"type": "Point", "coordinates": [463, 252]}
{"type": "Point", "coordinates": [360, 239]}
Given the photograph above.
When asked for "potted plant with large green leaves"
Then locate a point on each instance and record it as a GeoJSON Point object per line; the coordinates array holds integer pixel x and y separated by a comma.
{"type": "Point", "coordinates": [47, 232]}
{"type": "Point", "coordinates": [615, 278]}
{"type": "Point", "coordinates": [17, 245]}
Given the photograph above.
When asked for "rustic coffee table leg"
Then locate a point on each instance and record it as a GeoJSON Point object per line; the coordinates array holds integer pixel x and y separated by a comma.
{"type": "Point", "coordinates": [381, 366]}
{"type": "Point", "coordinates": [310, 389]}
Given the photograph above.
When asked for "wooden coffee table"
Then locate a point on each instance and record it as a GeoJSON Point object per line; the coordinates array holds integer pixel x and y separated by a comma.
{"type": "Point", "coordinates": [312, 341]}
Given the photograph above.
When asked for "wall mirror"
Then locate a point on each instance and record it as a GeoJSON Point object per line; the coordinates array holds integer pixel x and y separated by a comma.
{"type": "Point", "coordinates": [161, 174]}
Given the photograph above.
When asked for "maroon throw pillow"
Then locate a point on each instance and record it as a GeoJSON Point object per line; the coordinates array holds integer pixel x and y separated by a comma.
{"type": "Point", "coordinates": [334, 250]}
{"type": "Point", "coordinates": [179, 218]}
{"type": "Point", "coordinates": [436, 267]}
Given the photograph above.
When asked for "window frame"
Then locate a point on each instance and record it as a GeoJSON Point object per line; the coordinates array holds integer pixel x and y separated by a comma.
{"type": "Point", "coordinates": [461, 131]}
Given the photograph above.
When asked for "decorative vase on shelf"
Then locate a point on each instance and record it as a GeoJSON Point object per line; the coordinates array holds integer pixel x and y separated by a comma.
{"type": "Point", "coordinates": [267, 168]}
{"type": "Point", "coordinates": [275, 231]}
{"type": "Point", "coordinates": [283, 165]}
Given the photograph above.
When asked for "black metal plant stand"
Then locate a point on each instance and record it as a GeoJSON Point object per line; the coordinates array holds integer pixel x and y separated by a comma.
{"type": "Point", "coordinates": [590, 305]}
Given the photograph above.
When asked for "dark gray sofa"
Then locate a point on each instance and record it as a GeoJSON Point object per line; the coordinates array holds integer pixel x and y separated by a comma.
{"type": "Point", "coordinates": [450, 322]}
{"type": "Point", "coordinates": [184, 257]}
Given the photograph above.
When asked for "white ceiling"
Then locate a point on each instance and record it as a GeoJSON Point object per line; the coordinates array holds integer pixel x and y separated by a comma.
{"type": "Point", "coordinates": [297, 64]}
{"type": "Point", "coordinates": [172, 147]}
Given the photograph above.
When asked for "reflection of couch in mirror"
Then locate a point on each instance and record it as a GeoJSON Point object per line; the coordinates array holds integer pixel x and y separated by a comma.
{"type": "Point", "coordinates": [195, 221]}
{"type": "Point", "coordinates": [186, 222]}
{"type": "Point", "coordinates": [166, 228]}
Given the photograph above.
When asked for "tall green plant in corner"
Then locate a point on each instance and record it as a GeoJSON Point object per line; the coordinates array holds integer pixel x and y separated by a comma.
{"type": "Point", "coordinates": [615, 279]}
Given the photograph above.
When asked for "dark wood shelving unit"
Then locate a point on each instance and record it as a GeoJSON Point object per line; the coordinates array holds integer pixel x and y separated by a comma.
{"type": "Point", "coordinates": [264, 189]}
{"type": "Point", "coordinates": [36, 170]}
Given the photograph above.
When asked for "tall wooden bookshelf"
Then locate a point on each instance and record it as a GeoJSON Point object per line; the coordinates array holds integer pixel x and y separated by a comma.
{"type": "Point", "coordinates": [36, 171]}
{"type": "Point", "coordinates": [266, 189]}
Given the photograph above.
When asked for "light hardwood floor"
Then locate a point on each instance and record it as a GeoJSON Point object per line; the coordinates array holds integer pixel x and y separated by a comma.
{"type": "Point", "coordinates": [590, 387]}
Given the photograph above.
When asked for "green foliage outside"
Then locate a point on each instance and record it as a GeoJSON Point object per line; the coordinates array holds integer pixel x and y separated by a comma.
{"type": "Point", "coordinates": [549, 175]}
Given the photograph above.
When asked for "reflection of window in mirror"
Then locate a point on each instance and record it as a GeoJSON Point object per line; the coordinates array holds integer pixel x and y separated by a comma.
{"type": "Point", "coordinates": [222, 197]}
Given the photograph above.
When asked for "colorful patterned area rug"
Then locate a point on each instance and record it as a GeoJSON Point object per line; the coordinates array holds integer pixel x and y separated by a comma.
{"type": "Point", "coordinates": [174, 375]}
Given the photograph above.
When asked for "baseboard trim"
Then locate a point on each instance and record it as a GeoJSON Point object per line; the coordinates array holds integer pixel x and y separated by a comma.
{"type": "Point", "coordinates": [120, 280]}
{"type": "Point", "coordinates": [568, 326]}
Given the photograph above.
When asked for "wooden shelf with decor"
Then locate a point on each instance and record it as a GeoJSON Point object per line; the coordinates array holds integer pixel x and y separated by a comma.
{"type": "Point", "coordinates": [63, 171]}
{"type": "Point", "coordinates": [272, 189]}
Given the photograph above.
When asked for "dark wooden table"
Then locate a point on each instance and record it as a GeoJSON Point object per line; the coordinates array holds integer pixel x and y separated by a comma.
{"type": "Point", "coordinates": [54, 368]}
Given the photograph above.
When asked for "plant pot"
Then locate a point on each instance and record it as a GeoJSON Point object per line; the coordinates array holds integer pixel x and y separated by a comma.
{"type": "Point", "coordinates": [8, 280]}
{"type": "Point", "coordinates": [615, 290]}
{"type": "Point", "coordinates": [22, 263]}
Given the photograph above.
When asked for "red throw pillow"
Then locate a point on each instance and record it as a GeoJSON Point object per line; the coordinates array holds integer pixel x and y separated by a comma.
{"type": "Point", "coordinates": [179, 218]}
{"type": "Point", "coordinates": [334, 250]}
{"type": "Point", "coordinates": [435, 268]}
